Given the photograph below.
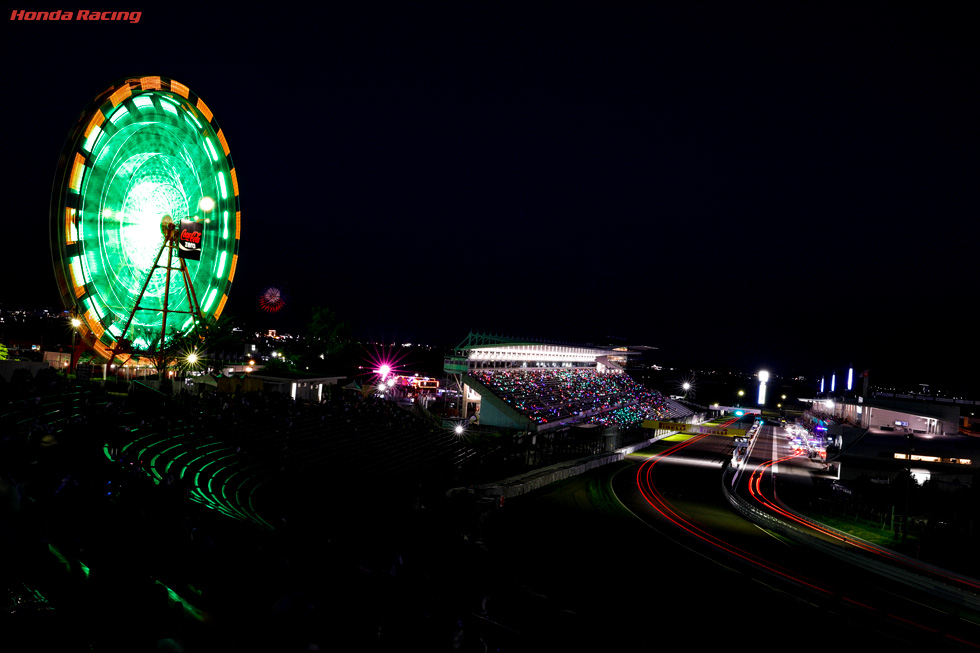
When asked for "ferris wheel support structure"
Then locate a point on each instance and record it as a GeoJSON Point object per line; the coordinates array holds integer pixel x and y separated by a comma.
{"type": "Point", "coordinates": [169, 243]}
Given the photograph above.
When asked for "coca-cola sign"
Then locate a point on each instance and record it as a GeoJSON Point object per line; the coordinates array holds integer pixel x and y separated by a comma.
{"type": "Point", "coordinates": [189, 239]}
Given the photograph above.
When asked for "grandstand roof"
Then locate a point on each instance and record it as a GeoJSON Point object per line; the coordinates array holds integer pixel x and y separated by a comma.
{"type": "Point", "coordinates": [485, 341]}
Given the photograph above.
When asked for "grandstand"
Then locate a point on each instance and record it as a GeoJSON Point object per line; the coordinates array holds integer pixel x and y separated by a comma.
{"type": "Point", "coordinates": [536, 386]}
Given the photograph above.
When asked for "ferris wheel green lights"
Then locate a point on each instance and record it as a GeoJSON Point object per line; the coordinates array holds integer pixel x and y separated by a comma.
{"type": "Point", "coordinates": [145, 158]}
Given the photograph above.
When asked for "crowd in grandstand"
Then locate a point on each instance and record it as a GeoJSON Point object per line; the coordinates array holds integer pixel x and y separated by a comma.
{"type": "Point", "coordinates": [555, 394]}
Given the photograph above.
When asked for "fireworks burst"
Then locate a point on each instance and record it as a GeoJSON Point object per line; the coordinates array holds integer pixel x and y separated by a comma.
{"type": "Point", "coordinates": [272, 300]}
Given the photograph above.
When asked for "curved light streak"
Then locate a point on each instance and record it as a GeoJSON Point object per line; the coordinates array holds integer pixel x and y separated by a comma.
{"type": "Point", "coordinates": [652, 496]}
{"type": "Point", "coordinates": [755, 490]}
{"type": "Point", "coordinates": [663, 507]}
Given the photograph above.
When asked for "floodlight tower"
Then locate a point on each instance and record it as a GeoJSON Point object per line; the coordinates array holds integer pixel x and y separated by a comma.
{"type": "Point", "coordinates": [763, 378]}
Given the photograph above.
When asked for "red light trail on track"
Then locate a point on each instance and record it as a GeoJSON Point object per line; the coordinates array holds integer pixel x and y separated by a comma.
{"type": "Point", "coordinates": [755, 490]}
{"type": "Point", "coordinates": [650, 493]}
{"type": "Point", "coordinates": [661, 505]}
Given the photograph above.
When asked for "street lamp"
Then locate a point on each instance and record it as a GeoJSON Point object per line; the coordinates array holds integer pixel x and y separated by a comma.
{"type": "Point", "coordinates": [741, 393]}
{"type": "Point", "coordinates": [75, 323]}
{"type": "Point", "coordinates": [192, 359]}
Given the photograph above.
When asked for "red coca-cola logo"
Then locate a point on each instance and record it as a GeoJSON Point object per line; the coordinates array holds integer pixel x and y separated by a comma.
{"type": "Point", "coordinates": [190, 236]}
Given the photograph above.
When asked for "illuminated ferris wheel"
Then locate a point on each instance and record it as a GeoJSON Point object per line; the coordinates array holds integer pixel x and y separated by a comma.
{"type": "Point", "coordinates": [145, 217]}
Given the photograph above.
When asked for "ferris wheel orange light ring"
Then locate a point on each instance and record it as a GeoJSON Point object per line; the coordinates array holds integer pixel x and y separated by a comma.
{"type": "Point", "coordinates": [204, 109]}
{"type": "Point", "coordinates": [179, 88]}
{"type": "Point", "coordinates": [69, 225]}
{"type": "Point", "coordinates": [224, 143]}
{"type": "Point", "coordinates": [221, 306]}
{"type": "Point", "coordinates": [77, 172]}
{"type": "Point", "coordinates": [122, 93]}
{"type": "Point", "coordinates": [96, 121]}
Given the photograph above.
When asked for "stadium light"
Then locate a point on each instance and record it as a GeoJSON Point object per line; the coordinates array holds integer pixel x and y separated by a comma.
{"type": "Point", "coordinates": [75, 323]}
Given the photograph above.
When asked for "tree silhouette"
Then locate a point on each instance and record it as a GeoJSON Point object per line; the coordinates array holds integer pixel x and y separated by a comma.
{"type": "Point", "coordinates": [326, 333]}
{"type": "Point", "coordinates": [164, 353]}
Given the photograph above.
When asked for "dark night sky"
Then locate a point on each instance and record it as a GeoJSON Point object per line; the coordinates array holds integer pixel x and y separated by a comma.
{"type": "Point", "coordinates": [786, 184]}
